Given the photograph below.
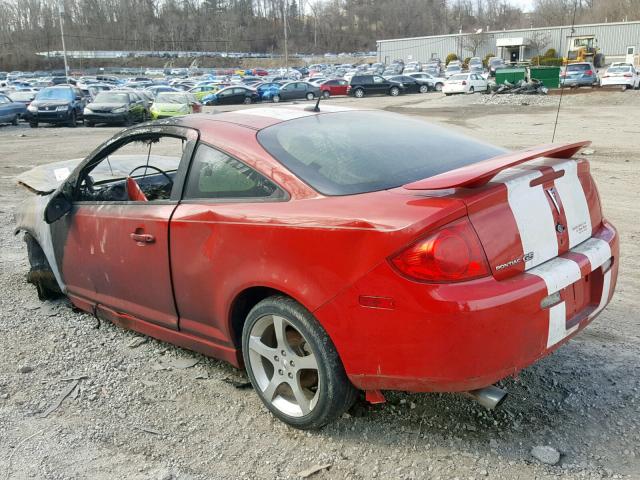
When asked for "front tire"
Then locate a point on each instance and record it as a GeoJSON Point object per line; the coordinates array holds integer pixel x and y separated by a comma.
{"type": "Point", "coordinates": [73, 120]}
{"type": "Point", "coordinates": [15, 121]}
{"type": "Point", "coordinates": [276, 99]}
{"type": "Point", "coordinates": [439, 87]}
{"type": "Point", "coordinates": [33, 124]}
{"type": "Point", "coordinates": [424, 88]}
{"type": "Point", "coordinates": [89, 124]}
{"type": "Point", "coordinates": [326, 94]}
{"type": "Point", "coordinates": [394, 91]}
{"type": "Point", "coordinates": [293, 364]}
{"type": "Point", "coordinates": [247, 100]}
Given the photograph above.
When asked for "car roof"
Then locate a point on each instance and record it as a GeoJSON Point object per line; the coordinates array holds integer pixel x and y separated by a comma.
{"type": "Point", "coordinates": [257, 118]}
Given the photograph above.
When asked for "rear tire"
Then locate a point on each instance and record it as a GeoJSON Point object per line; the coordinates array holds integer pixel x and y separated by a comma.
{"type": "Point", "coordinates": [472, 90]}
{"type": "Point", "coordinates": [247, 100]}
{"type": "Point", "coordinates": [15, 120]}
{"type": "Point", "coordinates": [439, 87]}
{"type": "Point", "coordinates": [276, 99]}
{"type": "Point", "coordinates": [72, 120]}
{"type": "Point", "coordinates": [358, 93]}
{"type": "Point", "coordinates": [293, 364]}
{"type": "Point", "coordinates": [33, 124]}
{"type": "Point", "coordinates": [326, 94]}
{"type": "Point", "coordinates": [310, 96]}
{"type": "Point", "coordinates": [394, 91]}
{"type": "Point", "coordinates": [89, 124]}
{"type": "Point", "coordinates": [424, 88]}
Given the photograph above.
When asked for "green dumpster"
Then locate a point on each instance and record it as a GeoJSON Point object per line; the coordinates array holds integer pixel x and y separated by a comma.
{"type": "Point", "coordinates": [549, 76]}
{"type": "Point", "coordinates": [511, 75]}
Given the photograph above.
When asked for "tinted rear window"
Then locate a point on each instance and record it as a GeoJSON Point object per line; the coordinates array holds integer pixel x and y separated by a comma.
{"type": "Point", "coordinates": [578, 67]}
{"type": "Point", "coordinates": [356, 152]}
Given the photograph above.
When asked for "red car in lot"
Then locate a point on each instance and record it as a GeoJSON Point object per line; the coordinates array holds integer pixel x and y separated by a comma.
{"type": "Point", "coordinates": [333, 87]}
{"type": "Point", "coordinates": [328, 252]}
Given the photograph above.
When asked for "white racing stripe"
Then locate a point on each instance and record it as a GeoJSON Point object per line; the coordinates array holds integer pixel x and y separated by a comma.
{"type": "Point", "coordinates": [560, 272]}
{"type": "Point", "coordinates": [596, 250]}
{"type": "Point", "coordinates": [557, 273]}
{"type": "Point", "coordinates": [558, 325]}
{"type": "Point", "coordinates": [532, 214]}
{"type": "Point", "coordinates": [574, 202]}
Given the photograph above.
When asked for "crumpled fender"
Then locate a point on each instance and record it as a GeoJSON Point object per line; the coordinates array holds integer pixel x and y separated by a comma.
{"type": "Point", "coordinates": [29, 218]}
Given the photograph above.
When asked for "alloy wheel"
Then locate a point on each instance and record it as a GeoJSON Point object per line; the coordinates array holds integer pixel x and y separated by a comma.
{"type": "Point", "coordinates": [284, 366]}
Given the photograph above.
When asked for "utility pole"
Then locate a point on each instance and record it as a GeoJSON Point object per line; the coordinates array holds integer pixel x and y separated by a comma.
{"type": "Point", "coordinates": [64, 48]}
{"type": "Point", "coordinates": [286, 37]}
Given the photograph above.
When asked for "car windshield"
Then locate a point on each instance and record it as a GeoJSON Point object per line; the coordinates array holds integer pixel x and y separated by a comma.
{"type": "Point", "coordinates": [619, 69]}
{"type": "Point", "coordinates": [107, 97]}
{"type": "Point", "coordinates": [356, 152]}
{"type": "Point", "coordinates": [167, 97]}
{"type": "Point", "coordinates": [55, 94]}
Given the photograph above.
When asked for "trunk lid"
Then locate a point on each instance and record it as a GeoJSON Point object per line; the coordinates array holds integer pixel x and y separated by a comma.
{"type": "Point", "coordinates": [527, 207]}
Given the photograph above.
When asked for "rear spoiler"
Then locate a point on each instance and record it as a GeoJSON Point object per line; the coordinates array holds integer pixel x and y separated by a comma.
{"type": "Point", "coordinates": [479, 174]}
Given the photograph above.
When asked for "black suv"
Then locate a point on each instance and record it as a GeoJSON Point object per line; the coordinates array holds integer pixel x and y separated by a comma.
{"type": "Point", "coordinates": [63, 104]}
{"type": "Point", "coordinates": [362, 85]}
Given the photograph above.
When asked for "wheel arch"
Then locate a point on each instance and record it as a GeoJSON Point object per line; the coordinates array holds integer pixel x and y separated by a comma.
{"type": "Point", "coordinates": [242, 304]}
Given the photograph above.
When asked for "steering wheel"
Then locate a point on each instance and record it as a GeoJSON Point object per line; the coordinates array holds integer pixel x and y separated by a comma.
{"type": "Point", "coordinates": [152, 167]}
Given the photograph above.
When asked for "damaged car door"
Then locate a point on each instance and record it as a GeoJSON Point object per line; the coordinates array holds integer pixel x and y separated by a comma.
{"type": "Point", "coordinates": [113, 245]}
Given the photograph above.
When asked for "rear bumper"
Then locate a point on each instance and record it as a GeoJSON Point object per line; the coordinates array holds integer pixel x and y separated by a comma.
{"type": "Point", "coordinates": [579, 82]}
{"type": "Point", "coordinates": [617, 82]}
{"type": "Point", "coordinates": [458, 337]}
{"type": "Point", "coordinates": [454, 88]}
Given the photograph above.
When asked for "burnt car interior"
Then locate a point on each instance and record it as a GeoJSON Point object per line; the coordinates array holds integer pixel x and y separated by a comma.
{"type": "Point", "coordinates": [142, 169]}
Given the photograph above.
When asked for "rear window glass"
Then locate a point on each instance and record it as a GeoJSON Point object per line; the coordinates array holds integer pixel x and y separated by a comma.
{"type": "Point", "coordinates": [579, 67]}
{"type": "Point", "coordinates": [356, 152]}
{"type": "Point", "coordinates": [462, 76]}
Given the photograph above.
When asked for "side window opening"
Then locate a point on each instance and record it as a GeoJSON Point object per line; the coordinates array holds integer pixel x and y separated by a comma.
{"type": "Point", "coordinates": [150, 161]}
{"type": "Point", "coordinates": [216, 175]}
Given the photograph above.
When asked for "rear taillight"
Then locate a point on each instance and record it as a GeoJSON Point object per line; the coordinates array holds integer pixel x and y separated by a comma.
{"type": "Point", "coordinates": [451, 254]}
{"type": "Point", "coordinates": [589, 72]}
{"type": "Point", "coordinates": [628, 75]}
{"type": "Point", "coordinates": [348, 88]}
{"type": "Point", "coordinates": [464, 82]}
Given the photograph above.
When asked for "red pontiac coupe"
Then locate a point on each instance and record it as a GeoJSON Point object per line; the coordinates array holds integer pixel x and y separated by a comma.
{"type": "Point", "coordinates": [328, 251]}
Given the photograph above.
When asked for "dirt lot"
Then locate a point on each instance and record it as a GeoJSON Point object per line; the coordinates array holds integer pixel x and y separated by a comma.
{"type": "Point", "coordinates": [138, 413]}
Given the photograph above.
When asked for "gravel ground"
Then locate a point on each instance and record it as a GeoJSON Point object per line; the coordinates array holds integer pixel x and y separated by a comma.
{"type": "Point", "coordinates": [137, 408]}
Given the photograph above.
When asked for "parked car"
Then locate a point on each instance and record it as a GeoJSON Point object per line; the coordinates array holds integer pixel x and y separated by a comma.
{"type": "Point", "coordinates": [452, 69]}
{"type": "Point", "coordinates": [156, 89]}
{"type": "Point", "coordinates": [412, 84]}
{"type": "Point", "coordinates": [296, 91]}
{"type": "Point", "coordinates": [333, 87]}
{"type": "Point", "coordinates": [495, 63]}
{"type": "Point", "coordinates": [11, 111]}
{"type": "Point", "coordinates": [24, 97]}
{"type": "Point", "coordinates": [234, 94]}
{"type": "Point", "coordinates": [435, 83]}
{"type": "Point", "coordinates": [623, 75]}
{"type": "Point", "coordinates": [362, 85]}
{"type": "Point", "coordinates": [172, 104]}
{"type": "Point", "coordinates": [268, 89]}
{"type": "Point", "coordinates": [465, 83]}
{"type": "Point", "coordinates": [475, 65]}
{"type": "Point", "coordinates": [202, 91]}
{"type": "Point", "coordinates": [61, 104]}
{"type": "Point", "coordinates": [261, 269]}
{"type": "Point", "coordinates": [579, 75]}
{"type": "Point", "coordinates": [116, 107]}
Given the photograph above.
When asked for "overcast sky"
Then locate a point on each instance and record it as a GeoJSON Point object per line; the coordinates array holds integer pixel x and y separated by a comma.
{"type": "Point", "coordinates": [524, 4]}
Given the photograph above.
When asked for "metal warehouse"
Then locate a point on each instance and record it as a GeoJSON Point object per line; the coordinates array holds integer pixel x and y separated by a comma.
{"type": "Point", "coordinates": [615, 40]}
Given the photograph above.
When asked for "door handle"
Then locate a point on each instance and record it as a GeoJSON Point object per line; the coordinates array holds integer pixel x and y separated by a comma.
{"type": "Point", "coordinates": [142, 238]}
